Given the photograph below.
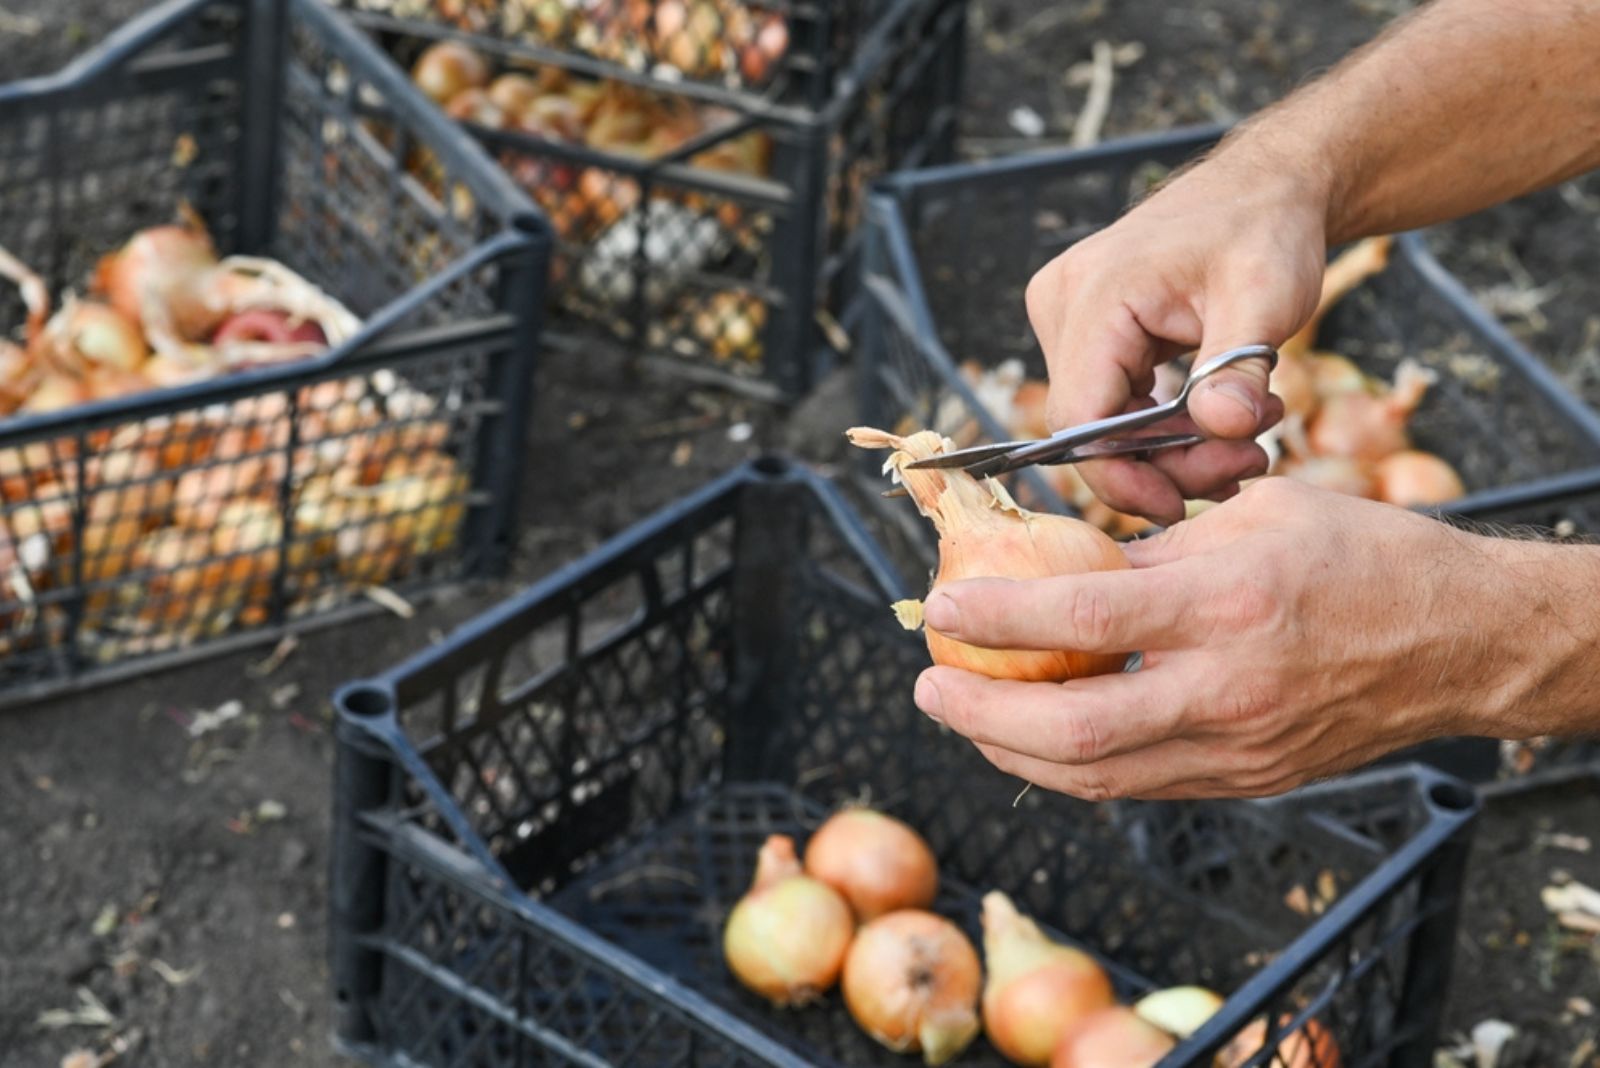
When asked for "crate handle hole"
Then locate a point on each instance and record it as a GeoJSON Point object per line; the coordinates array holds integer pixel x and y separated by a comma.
{"type": "Point", "coordinates": [366, 701]}
{"type": "Point", "coordinates": [1451, 796]}
{"type": "Point", "coordinates": [771, 466]}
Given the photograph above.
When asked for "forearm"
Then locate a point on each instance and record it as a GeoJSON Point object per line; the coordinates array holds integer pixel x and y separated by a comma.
{"type": "Point", "coordinates": [1462, 105]}
{"type": "Point", "coordinates": [1542, 617]}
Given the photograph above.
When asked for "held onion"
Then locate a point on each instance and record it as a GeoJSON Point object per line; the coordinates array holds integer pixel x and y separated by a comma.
{"type": "Point", "coordinates": [911, 982]}
{"type": "Point", "coordinates": [983, 533]}
{"type": "Point", "coordinates": [1037, 990]}
{"type": "Point", "coordinates": [786, 938]}
{"type": "Point", "coordinates": [876, 862]}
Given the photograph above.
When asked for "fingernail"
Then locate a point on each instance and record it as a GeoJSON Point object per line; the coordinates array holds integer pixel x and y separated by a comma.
{"type": "Point", "coordinates": [928, 699]}
{"type": "Point", "coordinates": [1240, 396]}
{"type": "Point", "coordinates": [941, 612]}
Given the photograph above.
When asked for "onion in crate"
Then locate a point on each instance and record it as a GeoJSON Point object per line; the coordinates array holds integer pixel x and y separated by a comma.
{"type": "Point", "coordinates": [786, 938]}
{"type": "Point", "coordinates": [877, 862]}
{"type": "Point", "coordinates": [1037, 989]}
{"type": "Point", "coordinates": [1113, 1037]}
{"type": "Point", "coordinates": [911, 981]}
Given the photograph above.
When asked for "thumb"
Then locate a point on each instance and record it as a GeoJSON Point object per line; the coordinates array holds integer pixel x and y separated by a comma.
{"type": "Point", "coordinates": [1235, 401]}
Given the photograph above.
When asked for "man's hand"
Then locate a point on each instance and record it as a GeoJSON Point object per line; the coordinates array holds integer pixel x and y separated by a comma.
{"type": "Point", "coordinates": [1288, 635]}
{"type": "Point", "coordinates": [1229, 254]}
{"type": "Point", "coordinates": [1460, 105]}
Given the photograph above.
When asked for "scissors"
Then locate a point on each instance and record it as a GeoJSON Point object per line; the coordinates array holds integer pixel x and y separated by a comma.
{"type": "Point", "coordinates": [1093, 441]}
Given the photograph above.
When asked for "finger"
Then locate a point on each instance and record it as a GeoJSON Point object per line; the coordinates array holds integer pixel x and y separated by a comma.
{"type": "Point", "coordinates": [1096, 365]}
{"type": "Point", "coordinates": [1211, 466]}
{"type": "Point", "coordinates": [1234, 402]}
{"type": "Point", "coordinates": [1096, 612]}
{"type": "Point", "coordinates": [1134, 488]}
{"type": "Point", "coordinates": [1168, 769]}
{"type": "Point", "coordinates": [1080, 722]}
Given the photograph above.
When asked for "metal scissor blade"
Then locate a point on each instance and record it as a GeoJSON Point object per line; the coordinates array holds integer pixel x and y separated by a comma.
{"type": "Point", "coordinates": [1096, 450]}
{"type": "Point", "coordinates": [974, 454]}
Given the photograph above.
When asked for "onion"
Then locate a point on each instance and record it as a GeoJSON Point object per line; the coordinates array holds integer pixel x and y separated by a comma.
{"type": "Point", "coordinates": [446, 68]}
{"type": "Point", "coordinates": [86, 334]}
{"type": "Point", "coordinates": [513, 92]}
{"type": "Point", "coordinates": [1333, 374]}
{"type": "Point", "coordinates": [911, 982]}
{"type": "Point", "coordinates": [18, 376]}
{"type": "Point", "coordinates": [1312, 1046]}
{"type": "Point", "coordinates": [1114, 1037]}
{"type": "Point", "coordinates": [984, 533]}
{"type": "Point", "coordinates": [269, 325]}
{"type": "Point", "coordinates": [1180, 1010]}
{"type": "Point", "coordinates": [1366, 426]}
{"type": "Point", "coordinates": [1293, 381]}
{"type": "Point", "coordinates": [1337, 473]}
{"type": "Point", "coordinates": [786, 938]}
{"type": "Point", "coordinates": [56, 393]}
{"type": "Point", "coordinates": [1037, 990]}
{"type": "Point", "coordinates": [878, 863]}
{"type": "Point", "coordinates": [152, 265]}
{"type": "Point", "coordinates": [1412, 478]}
{"type": "Point", "coordinates": [1028, 410]}
{"type": "Point", "coordinates": [474, 105]}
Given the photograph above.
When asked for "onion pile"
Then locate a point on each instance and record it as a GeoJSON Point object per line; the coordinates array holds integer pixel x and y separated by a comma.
{"type": "Point", "coordinates": [609, 116]}
{"type": "Point", "coordinates": [983, 533]}
{"type": "Point", "coordinates": [737, 43]}
{"type": "Point", "coordinates": [913, 981]}
{"type": "Point", "coordinates": [184, 514]}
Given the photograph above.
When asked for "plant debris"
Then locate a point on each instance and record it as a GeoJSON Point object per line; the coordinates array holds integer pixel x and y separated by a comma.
{"type": "Point", "coordinates": [89, 1012]}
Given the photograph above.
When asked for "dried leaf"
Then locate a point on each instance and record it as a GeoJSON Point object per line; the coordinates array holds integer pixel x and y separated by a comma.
{"type": "Point", "coordinates": [1298, 899]}
{"type": "Point", "coordinates": [270, 811]}
{"type": "Point", "coordinates": [104, 922]}
{"type": "Point", "coordinates": [1573, 897]}
{"type": "Point", "coordinates": [174, 976]}
{"type": "Point", "coordinates": [392, 601]}
{"type": "Point", "coordinates": [1490, 1037]}
{"type": "Point", "coordinates": [89, 1012]}
{"type": "Point", "coordinates": [205, 722]}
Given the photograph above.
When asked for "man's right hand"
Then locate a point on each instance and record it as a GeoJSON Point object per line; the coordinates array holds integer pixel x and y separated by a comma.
{"type": "Point", "coordinates": [1229, 253]}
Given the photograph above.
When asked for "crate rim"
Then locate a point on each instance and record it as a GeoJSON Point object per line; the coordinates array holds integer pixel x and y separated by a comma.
{"type": "Point", "coordinates": [367, 713]}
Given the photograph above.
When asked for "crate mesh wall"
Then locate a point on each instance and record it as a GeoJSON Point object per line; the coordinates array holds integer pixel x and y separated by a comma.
{"type": "Point", "coordinates": [604, 752]}
{"type": "Point", "coordinates": [162, 525]}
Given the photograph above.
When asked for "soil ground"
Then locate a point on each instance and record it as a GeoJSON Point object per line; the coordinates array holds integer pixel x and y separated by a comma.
{"type": "Point", "coordinates": [179, 881]}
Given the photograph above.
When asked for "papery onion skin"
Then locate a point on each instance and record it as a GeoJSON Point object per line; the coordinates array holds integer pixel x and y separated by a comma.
{"type": "Point", "coordinates": [876, 862]}
{"type": "Point", "coordinates": [1037, 990]}
{"type": "Point", "coordinates": [151, 265]}
{"type": "Point", "coordinates": [1312, 1046]}
{"type": "Point", "coordinates": [786, 938]}
{"type": "Point", "coordinates": [1113, 1037]}
{"type": "Point", "coordinates": [1179, 1010]}
{"type": "Point", "coordinates": [983, 533]}
{"type": "Point", "coordinates": [911, 981]}
{"type": "Point", "coordinates": [1415, 479]}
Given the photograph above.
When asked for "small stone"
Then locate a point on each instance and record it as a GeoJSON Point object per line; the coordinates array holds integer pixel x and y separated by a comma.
{"type": "Point", "coordinates": [285, 920]}
{"type": "Point", "coordinates": [293, 855]}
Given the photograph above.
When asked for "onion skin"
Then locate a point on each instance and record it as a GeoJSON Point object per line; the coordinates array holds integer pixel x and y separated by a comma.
{"type": "Point", "coordinates": [151, 265]}
{"type": "Point", "coordinates": [1114, 1037]}
{"type": "Point", "coordinates": [265, 324]}
{"type": "Point", "coordinates": [911, 982]}
{"type": "Point", "coordinates": [1415, 479]}
{"type": "Point", "coordinates": [786, 939]}
{"type": "Point", "coordinates": [1180, 1011]}
{"type": "Point", "coordinates": [1312, 1046]}
{"type": "Point", "coordinates": [1037, 990]}
{"type": "Point", "coordinates": [983, 533]}
{"type": "Point", "coordinates": [876, 862]}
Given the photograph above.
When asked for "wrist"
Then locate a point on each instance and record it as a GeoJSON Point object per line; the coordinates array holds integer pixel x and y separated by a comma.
{"type": "Point", "coordinates": [1536, 601]}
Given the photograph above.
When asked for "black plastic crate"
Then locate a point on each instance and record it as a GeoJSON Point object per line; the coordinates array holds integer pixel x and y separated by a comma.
{"type": "Point", "coordinates": [542, 822]}
{"type": "Point", "coordinates": [950, 251]}
{"type": "Point", "coordinates": [723, 274]}
{"type": "Point", "coordinates": [698, 47]}
{"type": "Point", "coordinates": [150, 529]}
